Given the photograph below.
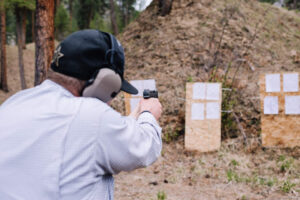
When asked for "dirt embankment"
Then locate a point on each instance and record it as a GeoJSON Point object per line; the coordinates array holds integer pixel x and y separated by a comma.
{"type": "Point", "coordinates": [203, 40]}
{"type": "Point", "coordinates": [227, 41]}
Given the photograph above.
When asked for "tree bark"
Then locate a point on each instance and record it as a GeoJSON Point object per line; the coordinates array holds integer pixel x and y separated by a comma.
{"type": "Point", "coordinates": [44, 38]}
{"type": "Point", "coordinates": [32, 26]}
{"type": "Point", "coordinates": [85, 14]}
{"type": "Point", "coordinates": [127, 15]}
{"type": "Point", "coordinates": [19, 16]}
{"type": "Point", "coordinates": [113, 18]}
{"type": "Point", "coordinates": [124, 16]}
{"type": "Point", "coordinates": [24, 17]}
{"type": "Point", "coordinates": [3, 76]}
{"type": "Point", "coordinates": [56, 5]}
{"type": "Point", "coordinates": [71, 11]}
{"type": "Point", "coordinates": [164, 7]}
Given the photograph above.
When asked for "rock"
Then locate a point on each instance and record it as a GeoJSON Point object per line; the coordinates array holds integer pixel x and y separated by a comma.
{"type": "Point", "coordinates": [153, 183]}
{"type": "Point", "coordinates": [295, 56]}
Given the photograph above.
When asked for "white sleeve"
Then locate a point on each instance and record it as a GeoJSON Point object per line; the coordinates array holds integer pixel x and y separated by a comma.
{"type": "Point", "coordinates": [125, 144]}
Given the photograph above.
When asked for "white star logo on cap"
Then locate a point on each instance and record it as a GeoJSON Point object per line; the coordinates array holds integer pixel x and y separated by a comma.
{"type": "Point", "coordinates": [57, 55]}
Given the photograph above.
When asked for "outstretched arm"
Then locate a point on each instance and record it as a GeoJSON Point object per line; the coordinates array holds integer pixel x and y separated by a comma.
{"type": "Point", "coordinates": [125, 143]}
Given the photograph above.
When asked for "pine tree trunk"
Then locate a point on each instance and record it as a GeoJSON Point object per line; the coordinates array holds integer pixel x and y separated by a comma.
{"type": "Point", "coordinates": [3, 77]}
{"type": "Point", "coordinates": [56, 5]}
{"type": "Point", "coordinates": [19, 28]}
{"type": "Point", "coordinates": [113, 18]}
{"type": "Point", "coordinates": [44, 38]}
{"type": "Point", "coordinates": [71, 11]}
{"type": "Point", "coordinates": [127, 18]}
{"type": "Point", "coordinates": [124, 17]}
{"type": "Point", "coordinates": [89, 18]}
{"type": "Point", "coordinates": [32, 26]}
{"type": "Point", "coordinates": [24, 17]}
{"type": "Point", "coordinates": [165, 7]}
{"type": "Point", "coordinates": [85, 14]}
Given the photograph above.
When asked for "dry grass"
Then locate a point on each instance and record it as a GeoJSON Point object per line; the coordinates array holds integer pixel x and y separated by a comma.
{"type": "Point", "coordinates": [234, 172]}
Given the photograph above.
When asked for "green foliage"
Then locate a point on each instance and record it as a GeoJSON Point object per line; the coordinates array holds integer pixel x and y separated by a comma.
{"type": "Point", "coordinates": [161, 195]}
{"type": "Point", "coordinates": [99, 23]}
{"type": "Point", "coordinates": [281, 158]}
{"type": "Point", "coordinates": [201, 162]}
{"type": "Point", "coordinates": [170, 134]}
{"type": "Point", "coordinates": [62, 23]}
{"type": "Point", "coordinates": [189, 79]}
{"type": "Point", "coordinates": [74, 26]}
{"type": "Point", "coordinates": [10, 25]}
{"type": "Point", "coordinates": [28, 4]}
{"type": "Point", "coordinates": [11, 5]}
{"type": "Point", "coordinates": [86, 9]}
{"type": "Point", "coordinates": [271, 182]}
{"type": "Point", "coordinates": [29, 36]}
{"type": "Point", "coordinates": [288, 3]}
{"type": "Point", "coordinates": [269, 1]}
{"type": "Point", "coordinates": [229, 125]}
{"type": "Point", "coordinates": [285, 164]}
{"type": "Point", "coordinates": [244, 197]}
{"type": "Point", "coordinates": [254, 179]}
{"type": "Point", "coordinates": [10, 21]}
{"type": "Point", "coordinates": [232, 176]}
{"type": "Point", "coordinates": [287, 186]}
{"type": "Point", "coordinates": [125, 13]}
{"type": "Point", "coordinates": [85, 14]}
{"type": "Point", "coordinates": [234, 163]}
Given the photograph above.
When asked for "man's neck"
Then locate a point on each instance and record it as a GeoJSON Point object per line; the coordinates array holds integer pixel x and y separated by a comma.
{"type": "Point", "coordinates": [73, 85]}
{"type": "Point", "coordinates": [75, 92]}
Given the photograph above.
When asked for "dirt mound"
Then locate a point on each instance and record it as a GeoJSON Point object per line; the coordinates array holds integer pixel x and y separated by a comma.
{"type": "Point", "coordinates": [203, 40]}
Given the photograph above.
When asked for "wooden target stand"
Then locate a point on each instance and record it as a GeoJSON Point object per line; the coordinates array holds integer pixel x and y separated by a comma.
{"type": "Point", "coordinates": [280, 106]}
{"type": "Point", "coordinates": [203, 131]}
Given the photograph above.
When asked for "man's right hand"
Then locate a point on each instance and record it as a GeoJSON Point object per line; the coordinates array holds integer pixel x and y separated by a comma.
{"type": "Point", "coordinates": [152, 105]}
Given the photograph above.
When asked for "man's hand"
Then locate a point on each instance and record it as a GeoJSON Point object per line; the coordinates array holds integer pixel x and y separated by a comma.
{"type": "Point", "coordinates": [152, 105]}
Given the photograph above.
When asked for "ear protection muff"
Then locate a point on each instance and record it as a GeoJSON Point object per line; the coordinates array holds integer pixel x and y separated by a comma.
{"type": "Point", "coordinates": [106, 82]}
{"type": "Point", "coordinates": [105, 86]}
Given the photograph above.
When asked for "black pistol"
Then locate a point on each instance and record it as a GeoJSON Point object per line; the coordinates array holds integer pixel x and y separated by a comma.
{"type": "Point", "coordinates": [150, 94]}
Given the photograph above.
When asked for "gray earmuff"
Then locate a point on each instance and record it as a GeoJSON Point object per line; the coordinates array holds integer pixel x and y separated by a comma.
{"type": "Point", "coordinates": [106, 86]}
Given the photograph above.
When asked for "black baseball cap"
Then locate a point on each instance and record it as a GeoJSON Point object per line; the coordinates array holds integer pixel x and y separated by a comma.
{"type": "Point", "coordinates": [83, 53]}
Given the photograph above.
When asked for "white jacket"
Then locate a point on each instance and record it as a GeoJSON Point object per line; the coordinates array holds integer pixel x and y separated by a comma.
{"type": "Point", "coordinates": [54, 146]}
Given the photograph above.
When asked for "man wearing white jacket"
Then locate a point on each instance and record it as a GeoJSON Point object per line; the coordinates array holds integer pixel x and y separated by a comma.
{"type": "Point", "coordinates": [59, 141]}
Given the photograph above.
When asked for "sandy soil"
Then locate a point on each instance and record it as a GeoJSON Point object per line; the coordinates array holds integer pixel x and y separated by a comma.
{"type": "Point", "coordinates": [182, 175]}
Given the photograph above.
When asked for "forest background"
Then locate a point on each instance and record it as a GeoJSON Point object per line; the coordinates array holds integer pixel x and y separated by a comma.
{"type": "Point", "coordinates": [23, 21]}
